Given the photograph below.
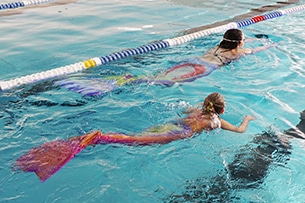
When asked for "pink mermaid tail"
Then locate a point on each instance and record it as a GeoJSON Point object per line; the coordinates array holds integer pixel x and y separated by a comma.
{"type": "Point", "coordinates": [159, 134]}
{"type": "Point", "coordinates": [138, 140]}
{"type": "Point", "coordinates": [195, 68]}
{"type": "Point", "coordinates": [186, 71]}
{"type": "Point", "coordinates": [51, 156]}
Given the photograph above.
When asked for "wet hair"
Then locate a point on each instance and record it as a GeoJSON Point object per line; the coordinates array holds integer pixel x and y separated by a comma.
{"type": "Point", "coordinates": [213, 103]}
{"type": "Point", "coordinates": [231, 39]}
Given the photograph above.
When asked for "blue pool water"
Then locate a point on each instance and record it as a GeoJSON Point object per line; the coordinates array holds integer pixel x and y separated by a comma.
{"type": "Point", "coordinates": [268, 85]}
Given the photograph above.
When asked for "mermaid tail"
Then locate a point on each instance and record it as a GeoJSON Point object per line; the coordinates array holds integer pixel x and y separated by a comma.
{"type": "Point", "coordinates": [94, 86]}
{"type": "Point", "coordinates": [186, 71]}
{"type": "Point", "coordinates": [190, 70]}
{"type": "Point", "coordinates": [137, 140]}
{"type": "Point", "coordinates": [51, 156]}
{"type": "Point", "coordinates": [160, 134]}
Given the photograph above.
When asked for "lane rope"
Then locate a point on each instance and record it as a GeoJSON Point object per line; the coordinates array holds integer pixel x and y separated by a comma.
{"type": "Point", "coordinates": [20, 4]}
{"type": "Point", "coordinates": [157, 45]}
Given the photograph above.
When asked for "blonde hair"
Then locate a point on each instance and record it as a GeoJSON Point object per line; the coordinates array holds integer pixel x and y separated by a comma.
{"type": "Point", "coordinates": [213, 103]}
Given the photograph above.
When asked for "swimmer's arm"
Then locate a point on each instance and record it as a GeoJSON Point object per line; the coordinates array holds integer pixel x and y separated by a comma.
{"type": "Point", "coordinates": [239, 129]}
{"type": "Point", "coordinates": [261, 48]}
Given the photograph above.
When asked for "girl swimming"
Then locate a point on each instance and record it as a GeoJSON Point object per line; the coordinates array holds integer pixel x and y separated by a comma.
{"type": "Point", "coordinates": [229, 49]}
{"type": "Point", "coordinates": [51, 156]}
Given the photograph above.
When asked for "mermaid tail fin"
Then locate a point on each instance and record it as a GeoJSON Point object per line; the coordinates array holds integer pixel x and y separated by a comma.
{"type": "Point", "coordinates": [190, 70]}
{"type": "Point", "coordinates": [95, 86]}
{"type": "Point", "coordinates": [51, 156]}
{"type": "Point", "coordinates": [186, 71]}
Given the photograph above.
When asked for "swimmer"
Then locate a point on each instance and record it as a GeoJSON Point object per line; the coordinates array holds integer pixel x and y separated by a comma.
{"type": "Point", "coordinates": [197, 120]}
{"type": "Point", "coordinates": [208, 117]}
{"type": "Point", "coordinates": [51, 156]}
{"type": "Point", "coordinates": [229, 49]}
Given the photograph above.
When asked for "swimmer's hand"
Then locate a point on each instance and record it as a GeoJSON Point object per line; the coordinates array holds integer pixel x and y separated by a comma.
{"type": "Point", "coordinates": [249, 118]}
{"type": "Point", "coordinates": [244, 125]}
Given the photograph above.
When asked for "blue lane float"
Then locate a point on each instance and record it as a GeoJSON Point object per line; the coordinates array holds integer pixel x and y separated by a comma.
{"type": "Point", "coordinates": [20, 4]}
{"type": "Point", "coordinates": [98, 61]}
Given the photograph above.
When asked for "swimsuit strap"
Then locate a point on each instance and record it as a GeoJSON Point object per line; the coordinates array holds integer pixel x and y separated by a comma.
{"type": "Point", "coordinates": [228, 60]}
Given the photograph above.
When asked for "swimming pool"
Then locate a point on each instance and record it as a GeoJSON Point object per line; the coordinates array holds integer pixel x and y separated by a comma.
{"type": "Point", "coordinates": [268, 85]}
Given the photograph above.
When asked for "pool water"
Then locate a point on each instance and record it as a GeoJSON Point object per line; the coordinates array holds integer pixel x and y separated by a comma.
{"type": "Point", "coordinates": [268, 85]}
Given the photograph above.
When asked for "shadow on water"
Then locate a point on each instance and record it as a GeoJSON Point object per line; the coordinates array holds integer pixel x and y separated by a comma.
{"type": "Point", "coordinates": [248, 169]}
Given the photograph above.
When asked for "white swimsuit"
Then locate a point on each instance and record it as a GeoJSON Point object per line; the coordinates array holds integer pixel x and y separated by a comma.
{"type": "Point", "coordinates": [215, 122]}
